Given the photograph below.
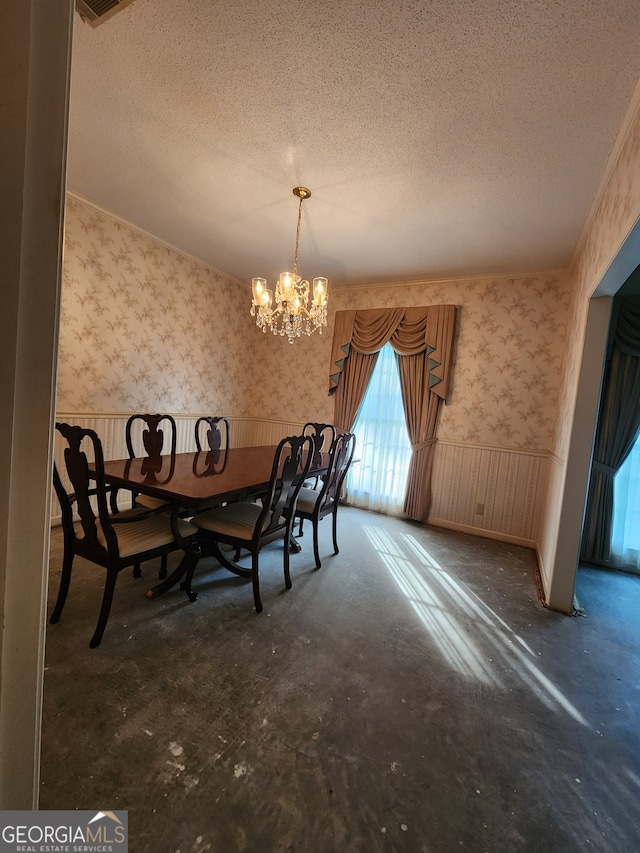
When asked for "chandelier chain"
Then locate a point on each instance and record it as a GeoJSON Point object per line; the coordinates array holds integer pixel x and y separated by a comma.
{"type": "Point", "coordinates": [295, 257]}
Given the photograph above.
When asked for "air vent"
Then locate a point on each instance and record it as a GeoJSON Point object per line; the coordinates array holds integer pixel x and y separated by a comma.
{"type": "Point", "coordinates": [95, 12]}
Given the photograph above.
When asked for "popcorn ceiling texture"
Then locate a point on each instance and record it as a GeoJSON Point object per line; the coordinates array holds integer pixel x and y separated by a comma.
{"type": "Point", "coordinates": [439, 139]}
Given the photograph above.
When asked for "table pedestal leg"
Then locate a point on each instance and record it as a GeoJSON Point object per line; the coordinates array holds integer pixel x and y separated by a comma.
{"type": "Point", "coordinates": [184, 569]}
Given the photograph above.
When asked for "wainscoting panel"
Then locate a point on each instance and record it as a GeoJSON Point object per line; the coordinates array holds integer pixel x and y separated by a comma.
{"type": "Point", "coordinates": [245, 432]}
{"type": "Point", "coordinates": [489, 491]}
{"type": "Point", "coordinates": [486, 491]}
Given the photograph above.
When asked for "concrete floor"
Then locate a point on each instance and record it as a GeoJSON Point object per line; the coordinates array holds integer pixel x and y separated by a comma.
{"type": "Point", "coordinates": [412, 695]}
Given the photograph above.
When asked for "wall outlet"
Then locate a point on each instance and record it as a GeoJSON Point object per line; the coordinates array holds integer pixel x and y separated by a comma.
{"type": "Point", "coordinates": [479, 509]}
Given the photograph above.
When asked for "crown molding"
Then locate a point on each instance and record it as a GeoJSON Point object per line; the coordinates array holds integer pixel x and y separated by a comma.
{"type": "Point", "coordinates": [471, 279]}
{"type": "Point", "coordinates": [103, 211]}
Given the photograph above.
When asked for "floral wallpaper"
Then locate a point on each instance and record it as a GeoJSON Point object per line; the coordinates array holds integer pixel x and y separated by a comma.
{"type": "Point", "coordinates": [507, 358]}
{"type": "Point", "coordinates": [145, 328]}
{"type": "Point", "coordinates": [614, 217]}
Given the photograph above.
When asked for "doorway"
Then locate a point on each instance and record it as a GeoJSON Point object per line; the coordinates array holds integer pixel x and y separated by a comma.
{"type": "Point", "coordinates": [611, 541]}
{"type": "Point", "coordinates": [565, 561]}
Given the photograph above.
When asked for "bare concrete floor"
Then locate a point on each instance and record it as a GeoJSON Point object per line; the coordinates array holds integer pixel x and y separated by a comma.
{"type": "Point", "coordinates": [412, 695]}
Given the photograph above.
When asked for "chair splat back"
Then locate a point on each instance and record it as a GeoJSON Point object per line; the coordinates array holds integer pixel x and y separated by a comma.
{"type": "Point", "coordinates": [86, 485]}
{"type": "Point", "coordinates": [323, 435]}
{"type": "Point", "coordinates": [289, 461]}
{"type": "Point", "coordinates": [342, 453]}
{"type": "Point", "coordinates": [153, 445]}
{"type": "Point", "coordinates": [153, 438]}
{"type": "Point", "coordinates": [217, 434]}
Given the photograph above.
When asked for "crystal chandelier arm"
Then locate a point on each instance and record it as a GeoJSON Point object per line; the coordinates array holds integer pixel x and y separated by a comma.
{"type": "Point", "coordinates": [296, 308]}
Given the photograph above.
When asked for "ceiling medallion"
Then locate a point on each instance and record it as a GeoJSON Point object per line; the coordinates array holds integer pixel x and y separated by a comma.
{"type": "Point", "coordinates": [297, 310]}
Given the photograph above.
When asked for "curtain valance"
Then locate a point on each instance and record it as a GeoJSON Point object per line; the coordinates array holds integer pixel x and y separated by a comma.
{"type": "Point", "coordinates": [409, 330]}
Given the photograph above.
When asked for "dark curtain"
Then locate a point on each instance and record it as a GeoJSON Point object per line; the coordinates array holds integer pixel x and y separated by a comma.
{"type": "Point", "coordinates": [617, 429]}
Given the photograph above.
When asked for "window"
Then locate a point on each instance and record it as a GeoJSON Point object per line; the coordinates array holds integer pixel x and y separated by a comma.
{"type": "Point", "coordinates": [378, 476]}
{"type": "Point", "coordinates": [625, 535]}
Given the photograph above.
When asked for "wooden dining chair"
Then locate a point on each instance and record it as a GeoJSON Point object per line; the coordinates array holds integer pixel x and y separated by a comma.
{"type": "Point", "coordinates": [152, 442]}
{"type": "Point", "coordinates": [145, 438]}
{"type": "Point", "coordinates": [323, 435]}
{"type": "Point", "coordinates": [251, 526]}
{"type": "Point", "coordinates": [314, 504]}
{"type": "Point", "coordinates": [111, 541]}
{"type": "Point", "coordinates": [217, 434]}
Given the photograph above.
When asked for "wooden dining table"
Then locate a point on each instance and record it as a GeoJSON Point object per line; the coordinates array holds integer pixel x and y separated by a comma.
{"type": "Point", "coordinates": [191, 482]}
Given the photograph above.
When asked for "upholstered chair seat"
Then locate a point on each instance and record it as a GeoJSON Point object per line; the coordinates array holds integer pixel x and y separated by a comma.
{"type": "Point", "coordinates": [308, 498]}
{"type": "Point", "coordinates": [249, 526]}
{"type": "Point", "coordinates": [147, 534]}
{"type": "Point", "coordinates": [238, 519]}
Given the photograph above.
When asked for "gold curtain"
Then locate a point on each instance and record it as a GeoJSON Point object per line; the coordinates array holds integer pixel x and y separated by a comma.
{"type": "Point", "coordinates": [421, 410]}
{"type": "Point", "coordinates": [350, 394]}
{"type": "Point", "coordinates": [423, 339]}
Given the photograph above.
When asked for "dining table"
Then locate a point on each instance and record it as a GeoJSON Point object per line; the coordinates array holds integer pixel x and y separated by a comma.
{"type": "Point", "coordinates": [194, 481]}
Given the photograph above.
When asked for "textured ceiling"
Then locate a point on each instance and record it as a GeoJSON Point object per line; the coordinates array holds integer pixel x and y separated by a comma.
{"type": "Point", "coordinates": [438, 138]}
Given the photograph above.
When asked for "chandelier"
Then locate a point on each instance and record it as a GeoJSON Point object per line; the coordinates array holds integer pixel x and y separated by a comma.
{"type": "Point", "coordinates": [298, 309]}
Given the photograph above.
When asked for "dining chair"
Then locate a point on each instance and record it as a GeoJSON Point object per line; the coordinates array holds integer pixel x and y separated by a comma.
{"type": "Point", "coordinates": [314, 504]}
{"type": "Point", "coordinates": [217, 434]}
{"type": "Point", "coordinates": [217, 445]}
{"type": "Point", "coordinates": [251, 526]}
{"type": "Point", "coordinates": [323, 435]}
{"type": "Point", "coordinates": [151, 442]}
{"type": "Point", "coordinates": [112, 541]}
{"type": "Point", "coordinates": [144, 437]}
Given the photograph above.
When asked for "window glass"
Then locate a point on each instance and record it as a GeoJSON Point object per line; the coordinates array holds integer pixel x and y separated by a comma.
{"type": "Point", "coordinates": [378, 476]}
{"type": "Point", "coordinates": [625, 539]}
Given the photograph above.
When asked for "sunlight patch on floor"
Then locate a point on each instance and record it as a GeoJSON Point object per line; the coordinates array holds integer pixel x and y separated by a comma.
{"type": "Point", "coordinates": [433, 610]}
{"type": "Point", "coordinates": [633, 777]}
{"type": "Point", "coordinates": [471, 637]}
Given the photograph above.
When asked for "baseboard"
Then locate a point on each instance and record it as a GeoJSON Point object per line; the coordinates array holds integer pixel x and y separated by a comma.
{"type": "Point", "coordinates": [540, 578]}
{"type": "Point", "coordinates": [531, 544]}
